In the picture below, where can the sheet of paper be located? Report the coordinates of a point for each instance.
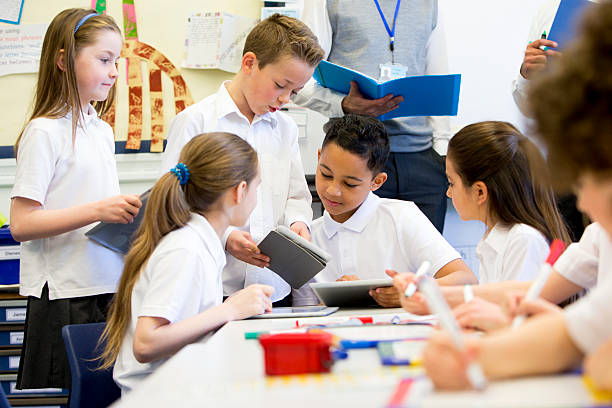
(20, 48)
(286, 11)
(214, 40)
(202, 40)
(234, 31)
(10, 11)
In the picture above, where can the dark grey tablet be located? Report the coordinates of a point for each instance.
(349, 293)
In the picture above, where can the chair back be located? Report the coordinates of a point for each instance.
(91, 387)
(3, 401)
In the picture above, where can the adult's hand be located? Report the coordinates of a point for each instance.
(535, 59)
(354, 102)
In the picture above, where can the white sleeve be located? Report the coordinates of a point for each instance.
(588, 320)
(299, 199)
(176, 295)
(540, 23)
(313, 96)
(183, 128)
(437, 64)
(579, 263)
(422, 241)
(36, 157)
(523, 257)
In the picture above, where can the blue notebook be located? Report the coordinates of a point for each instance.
(427, 95)
(565, 24)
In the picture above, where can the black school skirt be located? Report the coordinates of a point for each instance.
(43, 362)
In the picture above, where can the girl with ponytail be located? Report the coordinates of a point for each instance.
(170, 293)
(497, 176)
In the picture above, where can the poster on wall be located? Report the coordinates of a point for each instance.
(10, 11)
(214, 40)
(20, 48)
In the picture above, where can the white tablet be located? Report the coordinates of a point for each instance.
(301, 311)
(349, 293)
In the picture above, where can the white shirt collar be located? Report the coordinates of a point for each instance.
(203, 228)
(226, 106)
(88, 117)
(497, 237)
(357, 222)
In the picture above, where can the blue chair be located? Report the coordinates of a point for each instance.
(91, 388)
(3, 401)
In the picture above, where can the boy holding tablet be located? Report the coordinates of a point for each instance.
(365, 234)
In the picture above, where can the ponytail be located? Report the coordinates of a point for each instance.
(216, 162)
(514, 172)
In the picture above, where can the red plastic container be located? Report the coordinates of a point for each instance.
(297, 353)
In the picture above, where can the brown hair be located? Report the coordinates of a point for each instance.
(216, 163)
(572, 102)
(278, 36)
(57, 92)
(514, 172)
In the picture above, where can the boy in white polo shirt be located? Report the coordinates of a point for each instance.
(279, 57)
(365, 234)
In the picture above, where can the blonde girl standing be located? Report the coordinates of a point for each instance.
(66, 180)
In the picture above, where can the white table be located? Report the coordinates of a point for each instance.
(228, 371)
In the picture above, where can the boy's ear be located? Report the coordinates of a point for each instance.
(378, 181)
(249, 61)
(481, 192)
(60, 60)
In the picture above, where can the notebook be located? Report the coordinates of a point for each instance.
(118, 237)
(428, 95)
(565, 24)
(292, 257)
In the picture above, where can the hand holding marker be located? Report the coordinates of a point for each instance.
(543, 37)
(412, 287)
(556, 249)
(437, 304)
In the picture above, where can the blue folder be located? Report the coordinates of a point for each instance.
(427, 95)
(565, 24)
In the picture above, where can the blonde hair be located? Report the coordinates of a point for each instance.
(216, 163)
(57, 92)
(278, 36)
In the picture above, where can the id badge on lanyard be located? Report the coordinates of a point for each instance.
(391, 71)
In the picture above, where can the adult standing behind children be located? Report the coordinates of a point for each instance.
(535, 61)
(279, 57)
(372, 36)
(66, 180)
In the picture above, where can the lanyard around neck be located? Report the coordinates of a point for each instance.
(390, 31)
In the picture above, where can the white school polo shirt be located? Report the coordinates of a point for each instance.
(589, 320)
(181, 279)
(514, 253)
(283, 196)
(587, 263)
(53, 173)
(382, 234)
